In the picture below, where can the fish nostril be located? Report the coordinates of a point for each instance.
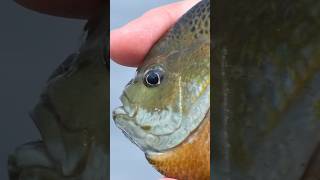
(130, 82)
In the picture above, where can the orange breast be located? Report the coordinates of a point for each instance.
(190, 160)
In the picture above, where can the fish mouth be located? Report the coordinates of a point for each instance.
(125, 119)
(125, 112)
(132, 131)
(121, 113)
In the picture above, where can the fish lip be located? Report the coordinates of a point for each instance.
(123, 111)
(119, 112)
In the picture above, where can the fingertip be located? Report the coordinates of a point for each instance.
(130, 43)
(128, 48)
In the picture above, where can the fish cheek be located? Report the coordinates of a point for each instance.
(160, 97)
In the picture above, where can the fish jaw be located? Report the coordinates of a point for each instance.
(131, 130)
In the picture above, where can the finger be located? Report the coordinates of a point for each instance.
(130, 43)
(69, 8)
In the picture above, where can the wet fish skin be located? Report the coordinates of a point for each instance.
(159, 119)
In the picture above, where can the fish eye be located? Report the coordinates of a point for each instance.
(153, 77)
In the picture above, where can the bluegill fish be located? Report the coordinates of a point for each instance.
(267, 90)
(166, 105)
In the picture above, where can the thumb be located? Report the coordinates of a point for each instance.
(130, 43)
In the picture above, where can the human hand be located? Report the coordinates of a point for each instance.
(130, 43)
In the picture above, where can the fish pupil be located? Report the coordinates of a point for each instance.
(153, 78)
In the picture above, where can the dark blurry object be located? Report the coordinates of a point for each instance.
(82, 9)
(266, 89)
(72, 114)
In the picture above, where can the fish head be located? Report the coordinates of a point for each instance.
(167, 99)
